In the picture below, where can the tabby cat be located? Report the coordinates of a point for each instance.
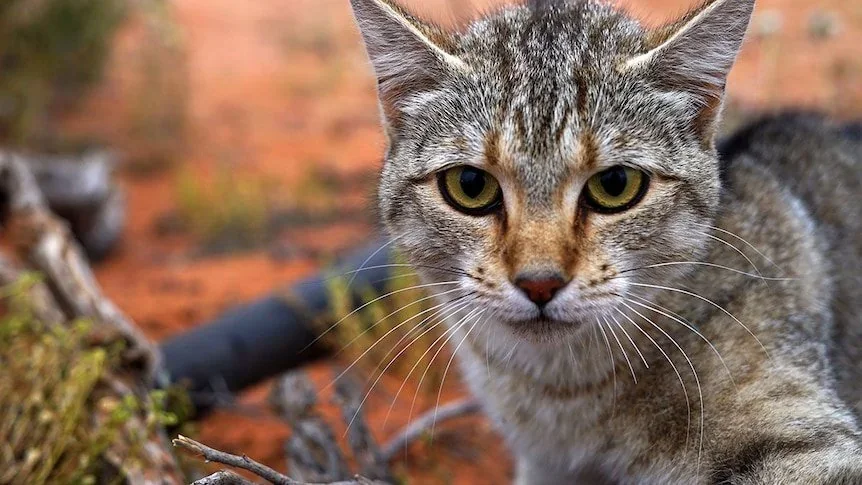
(629, 306)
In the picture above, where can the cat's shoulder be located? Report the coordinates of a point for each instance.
(785, 139)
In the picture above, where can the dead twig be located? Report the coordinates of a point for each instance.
(223, 478)
(365, 449)
(249, 465)
(425, 422)
(241, 462)
(313, 455)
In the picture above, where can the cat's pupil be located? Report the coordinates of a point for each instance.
(472, 182)
(614, 181)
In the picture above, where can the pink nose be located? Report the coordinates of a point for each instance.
(540, 288)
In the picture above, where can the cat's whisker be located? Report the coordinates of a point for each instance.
(367, 304)
(693, 372)
(452, 311)
(673, 366)
(629, 337)
(622, 273)
(707, 300)
(383, 372)
(613, 366)
(452, 331)
(449, 364)
(395, 312)
(736, 249)
(620, 344)
(369, 258)
(511, 354)
(741, 239)
(449, 306)
(682, 321)
(354, 272)
(383, 337)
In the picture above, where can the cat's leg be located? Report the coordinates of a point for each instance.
(805, 438)
(828, 467)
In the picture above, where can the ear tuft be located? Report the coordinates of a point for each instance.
(409, 55)
(696, 53)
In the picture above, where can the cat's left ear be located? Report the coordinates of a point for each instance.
(695, 54)
(409, 55)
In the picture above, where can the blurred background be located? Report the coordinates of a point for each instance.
(247, 139)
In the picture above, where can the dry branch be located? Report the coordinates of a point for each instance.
(313, 454)
(365, 449)
(249, 465)
(45, 242)
(223, 478)
(141, 455)
(423, 424)
(242, 462)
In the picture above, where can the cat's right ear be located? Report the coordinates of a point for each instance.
(409, 56)
(695, 54)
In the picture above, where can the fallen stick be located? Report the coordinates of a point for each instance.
(420, 426)
(241, 462)
(249, 465)
(223, 478)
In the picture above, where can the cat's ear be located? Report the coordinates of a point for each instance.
(695, 54)
(409, 55)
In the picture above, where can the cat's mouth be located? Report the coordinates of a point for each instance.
(543, 327)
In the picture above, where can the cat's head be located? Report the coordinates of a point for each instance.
(545, 156)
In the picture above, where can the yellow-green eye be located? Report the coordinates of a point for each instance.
(470, 190)
(616, 189)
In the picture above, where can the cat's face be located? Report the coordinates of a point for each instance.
(545, 161)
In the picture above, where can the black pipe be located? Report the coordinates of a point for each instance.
(250, 344)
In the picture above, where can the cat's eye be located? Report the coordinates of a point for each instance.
(616, 189)
(470, 190)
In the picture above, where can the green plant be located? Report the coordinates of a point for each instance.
(49, 398)
(227, 211)
(49, 51)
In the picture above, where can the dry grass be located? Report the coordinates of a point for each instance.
(229, 209)
(48, 433)
(50, 52)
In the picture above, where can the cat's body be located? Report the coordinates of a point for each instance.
(554, 168)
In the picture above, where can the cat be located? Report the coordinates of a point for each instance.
(628, 306)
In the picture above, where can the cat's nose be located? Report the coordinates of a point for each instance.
(540, 288)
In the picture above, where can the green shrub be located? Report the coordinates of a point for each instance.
(50, 50)
(49, 397)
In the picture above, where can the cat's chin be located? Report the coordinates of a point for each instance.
(543, 329)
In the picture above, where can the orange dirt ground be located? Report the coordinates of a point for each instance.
(278, 87)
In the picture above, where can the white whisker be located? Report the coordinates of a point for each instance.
(454, 329)
(613, 366)
(449, 364)
(693, 371)
(625, 354)
(366, 305)
(707, 300)
(452, 311)
(741, 239)
(741, 253)
(673, 366)
(685, 323)
(369, 258)
(711, 265)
